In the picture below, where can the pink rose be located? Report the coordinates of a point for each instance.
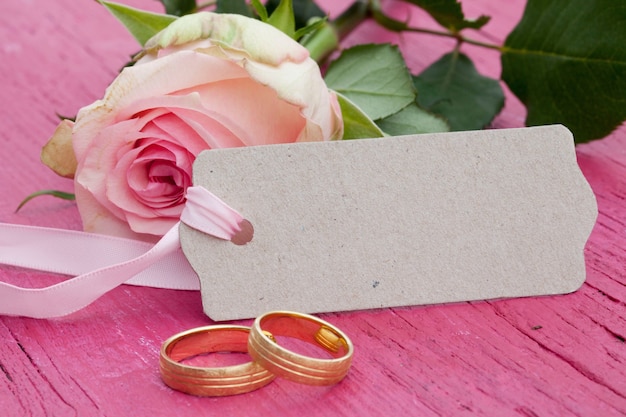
(207, 81)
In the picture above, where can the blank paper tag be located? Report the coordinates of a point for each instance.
(396, 221)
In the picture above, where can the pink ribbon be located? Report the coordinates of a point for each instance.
(101, 262)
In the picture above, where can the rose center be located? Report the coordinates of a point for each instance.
(162, 172)
(159, 176)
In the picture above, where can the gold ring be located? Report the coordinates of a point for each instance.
(294, 366)
(218, 381)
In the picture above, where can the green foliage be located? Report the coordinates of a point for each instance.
(304, 11)
(566, 61)
(141, 24)
(234, 7)
(448, 13)
(54, 193)
(357, 125)
(260, 9)
(411, 120)
(374, 77)
(314, 25)
(179, 7)
(376, 94)
(283, 18)
(452, 87)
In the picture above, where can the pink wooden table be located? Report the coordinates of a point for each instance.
(545, 356)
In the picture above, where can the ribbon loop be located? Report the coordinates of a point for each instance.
(117, 261)
(204, 211)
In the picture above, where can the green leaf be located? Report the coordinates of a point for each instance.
(282, 18)
(411, 120)
(566, 61)
(179, 7)
(448, 13)
(316, 24)
(356, 124)
(141, 24)
(452, 87)
(304, 10)
(374, 77)
(260, 10)
(234, 7)
(54, 193)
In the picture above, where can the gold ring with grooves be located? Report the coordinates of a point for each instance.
(293, 366)
(218, 381)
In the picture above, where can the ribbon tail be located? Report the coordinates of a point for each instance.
(75, 253)
(73, 294)
(112, 261)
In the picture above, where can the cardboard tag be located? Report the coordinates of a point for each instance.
(395, 221)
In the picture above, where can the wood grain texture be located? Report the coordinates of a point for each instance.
(546, 356)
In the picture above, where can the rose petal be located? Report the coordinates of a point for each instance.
(177, 130)
(101, 159)
(263, 42)
(252, 111)
(121, 192)
(317, 105)
(98, 219)
(180, 71)
(207, 124)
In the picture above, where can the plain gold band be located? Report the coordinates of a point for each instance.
(218, 381)
(293, 366)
